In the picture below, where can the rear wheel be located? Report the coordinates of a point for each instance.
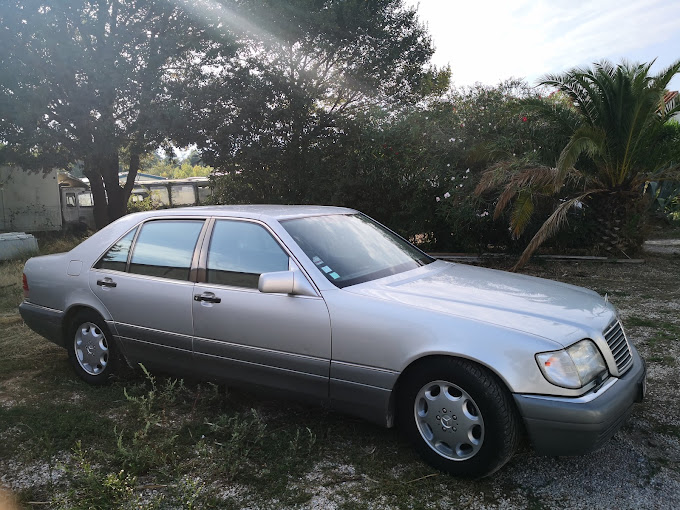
(459, 417)
(91, 349)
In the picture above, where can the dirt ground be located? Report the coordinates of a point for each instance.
(356, 465)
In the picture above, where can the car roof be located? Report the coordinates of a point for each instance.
(258, 211)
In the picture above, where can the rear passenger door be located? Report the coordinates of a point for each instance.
(276, 340)
(144, 281)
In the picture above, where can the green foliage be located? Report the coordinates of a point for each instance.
(413, 168)
(618, 140)
(89, 489)
(324, 71)
(236, 437)
(89, 81)
(191, 166)
(146, 204)
(149, 441)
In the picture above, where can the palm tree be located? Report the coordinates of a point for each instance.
(614, 149)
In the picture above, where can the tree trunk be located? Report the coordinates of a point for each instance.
(101, 215)
(133, 169)
(110, 199)
(620, 220)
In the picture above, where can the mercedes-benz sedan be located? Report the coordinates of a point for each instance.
(325, 304)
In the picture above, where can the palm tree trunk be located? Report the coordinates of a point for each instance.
(620, 220)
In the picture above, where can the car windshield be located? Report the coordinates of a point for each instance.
(350, 249)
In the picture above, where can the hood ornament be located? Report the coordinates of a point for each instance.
(606, 297)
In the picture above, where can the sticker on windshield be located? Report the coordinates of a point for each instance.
(317, 261)
(326, 269)
(335, 275)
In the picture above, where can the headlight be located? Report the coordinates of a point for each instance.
(573, 367)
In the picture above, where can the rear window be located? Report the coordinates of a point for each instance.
(165, 248)
(116, 258)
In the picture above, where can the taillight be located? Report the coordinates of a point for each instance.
(25, 282)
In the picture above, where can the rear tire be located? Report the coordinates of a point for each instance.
(91, 349)
(459, 417)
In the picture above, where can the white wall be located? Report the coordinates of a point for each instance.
(29, 201)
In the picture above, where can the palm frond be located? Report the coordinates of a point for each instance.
(492, 178)
(586, 139)
(662, 79)
(550, 227)
(625, 102)
(522, 211)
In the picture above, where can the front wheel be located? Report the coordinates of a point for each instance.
(91, 349)
(459, 417)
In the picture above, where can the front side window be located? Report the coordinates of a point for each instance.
(352, 248)
(165, 248)
(116, 258)
(240, 252)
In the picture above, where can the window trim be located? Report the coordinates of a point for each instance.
(194, 257)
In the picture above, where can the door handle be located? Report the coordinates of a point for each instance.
(208, 297)
(106, 282)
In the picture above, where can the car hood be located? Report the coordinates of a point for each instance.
(553, 310)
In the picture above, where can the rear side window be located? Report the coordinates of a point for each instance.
(116, 258)
(165, 248)
(240, 251)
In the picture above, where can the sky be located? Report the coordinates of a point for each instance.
(488, 41)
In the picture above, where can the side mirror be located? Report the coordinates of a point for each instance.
(285, 282)
(280, 282)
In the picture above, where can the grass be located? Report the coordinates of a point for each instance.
(151, 441)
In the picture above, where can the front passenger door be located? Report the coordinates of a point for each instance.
(275, 340)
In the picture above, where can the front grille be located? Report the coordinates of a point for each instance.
(616, 339)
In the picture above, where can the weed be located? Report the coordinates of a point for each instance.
(242, 434)
(151, 442)
(189, 493)
(89, 489)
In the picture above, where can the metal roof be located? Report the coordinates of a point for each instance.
(257, 211)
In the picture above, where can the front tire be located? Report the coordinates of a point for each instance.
(91, 349)
(459, 417)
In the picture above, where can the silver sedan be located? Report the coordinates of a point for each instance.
(326, 305)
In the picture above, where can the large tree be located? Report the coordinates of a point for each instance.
(84, 80)
(312, 72)
(619, 140)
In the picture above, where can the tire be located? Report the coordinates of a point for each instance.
(459, 417)
(91, 349)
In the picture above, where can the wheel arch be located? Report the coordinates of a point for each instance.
(502, 427)
(417, 364)
(74, 310)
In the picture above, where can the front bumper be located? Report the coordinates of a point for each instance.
(574, 426)
(44, 321)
